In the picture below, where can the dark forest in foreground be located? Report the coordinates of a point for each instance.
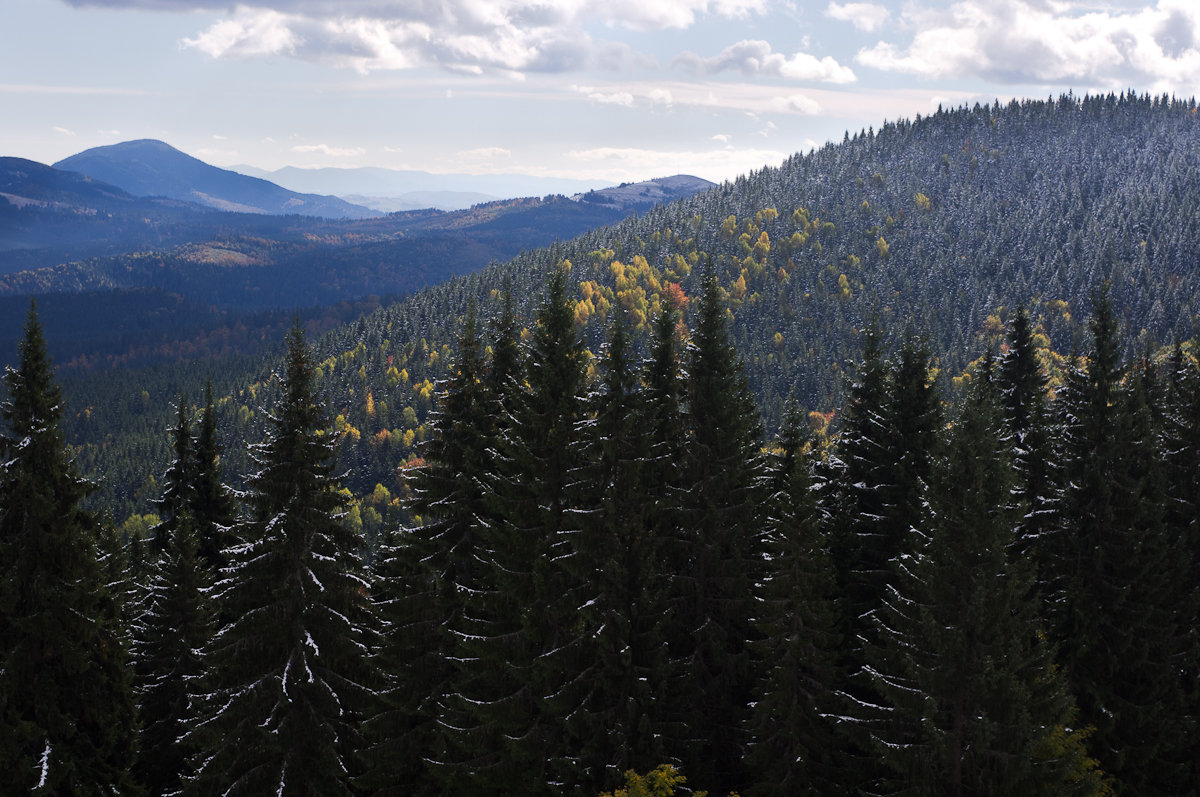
(610, 571)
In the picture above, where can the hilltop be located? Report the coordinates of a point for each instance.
(942, 224)
(147, 167)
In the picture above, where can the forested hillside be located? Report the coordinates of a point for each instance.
(608, 570)
(942, 225)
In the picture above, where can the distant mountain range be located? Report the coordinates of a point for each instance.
(153, 168)
(401, 189)
(179, 238)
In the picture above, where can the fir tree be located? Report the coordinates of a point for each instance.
(721, 538)
(617, 561)
(429, 579)
(972, 702)
(175, 505)
(214, 510)
(176, 625)
(289, 678)
(67, 722)
(793, 743)
(1022, 386)
(1115, 613)
(530, 648)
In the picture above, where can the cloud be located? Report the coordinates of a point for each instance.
(484, 153)
(798, 103)
(1030, 41)
(864, 16)
(754, 57)
(333, 152)
(622, 98)
(464, 36)
(63, 131)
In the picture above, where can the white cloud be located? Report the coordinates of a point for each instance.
(724, 138)
(63, 131)
(248, 34)
(661, 97)
(864, 16)
(465, 36)
(332, 152)
(485, 153)
(754, 57)
(798, 103)
(622, 98)
(1028, 41)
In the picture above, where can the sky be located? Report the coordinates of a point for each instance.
(605, 90)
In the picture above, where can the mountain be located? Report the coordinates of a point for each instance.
(25, 183)
(942, 224)
(407, 187)
(418, 200)
(49, 216)
(648, 193)
(153, 168)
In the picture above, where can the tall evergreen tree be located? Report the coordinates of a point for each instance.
(175, 505)
(532, 642)
(1114, 618)
(617, 563)
(1022, 386)
(289, 678)
(176, 625)
(429, 579)
(860, 468)
(972, 702)
(67, 721)
(794, 745)
(1181, 454)
(214, 510)
(720, 533)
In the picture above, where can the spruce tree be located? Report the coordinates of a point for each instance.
(175, 505)
(176, 625)
(720, 534)
(971, 700)
(617, 563)
(793, 746)
(1022, 386)
(531, 637)
(67, 719)
(214, 510)
(860, 468)
(1181, 461)
(289, 678)
(429, 578)
(1115, 612)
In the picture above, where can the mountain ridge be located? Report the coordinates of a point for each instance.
(148, 167)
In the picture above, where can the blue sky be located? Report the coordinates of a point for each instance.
(611, 90)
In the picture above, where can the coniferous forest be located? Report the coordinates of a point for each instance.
(624, 540)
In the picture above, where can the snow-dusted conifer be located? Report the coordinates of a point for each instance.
(429, 580)
(67, 723)
(720, 535)
(214, 510)
(794, 747)
(289, 678)
(970, 699)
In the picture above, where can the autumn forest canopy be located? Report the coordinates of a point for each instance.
(872, 473)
